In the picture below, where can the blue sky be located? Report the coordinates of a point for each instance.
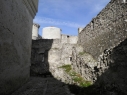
(67, 14)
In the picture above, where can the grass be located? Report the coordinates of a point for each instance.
(67, 68)
(81, 53)
(77, 78)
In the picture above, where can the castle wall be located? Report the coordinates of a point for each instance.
(105, 31)
(15, 43)
(48, 55)
(39, 56)
(69, 39)
(108, 73)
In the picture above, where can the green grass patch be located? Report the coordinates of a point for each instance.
(67, 68)
(77, 78)
(81, 53)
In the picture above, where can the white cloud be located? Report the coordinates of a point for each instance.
(69, 7)
(68, 13)
(44, 20)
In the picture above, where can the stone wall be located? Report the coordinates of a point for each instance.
(108, 74)
(107, 30)
(69, 39)
(48, 55)
(112, 68)
(39, 56)
(84, 64)
(101, 58)
(15, 44)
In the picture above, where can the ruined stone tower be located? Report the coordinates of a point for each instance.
(35, 31)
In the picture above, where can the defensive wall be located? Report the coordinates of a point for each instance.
(69, 39)
(49, 54)
(106, 30)
(16, 19)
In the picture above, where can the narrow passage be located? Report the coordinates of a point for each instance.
(43, 86)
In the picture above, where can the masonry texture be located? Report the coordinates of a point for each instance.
(103, 58)
(108, 73)
(49, 54)
(15, 44)
(107, 30)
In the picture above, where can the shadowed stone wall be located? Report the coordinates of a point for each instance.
(50, 54)
(107, 30)
(15, 43)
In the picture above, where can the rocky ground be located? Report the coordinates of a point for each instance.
(43, 86)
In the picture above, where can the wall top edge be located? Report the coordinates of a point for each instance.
(32, 6)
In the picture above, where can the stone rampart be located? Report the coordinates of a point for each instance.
(107, 30)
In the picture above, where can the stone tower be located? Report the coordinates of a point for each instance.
(51, 33)
(35, 31)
